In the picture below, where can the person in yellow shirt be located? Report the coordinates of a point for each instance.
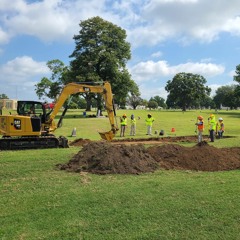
(149, 122)
(212, 127)
(123, 122)
(133, 126)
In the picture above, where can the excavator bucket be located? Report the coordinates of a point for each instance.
(107, 135)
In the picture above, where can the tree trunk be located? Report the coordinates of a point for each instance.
(89, 102)
(99, 104)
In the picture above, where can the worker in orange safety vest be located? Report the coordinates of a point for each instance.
(200, 127)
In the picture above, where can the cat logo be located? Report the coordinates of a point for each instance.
(17, 124)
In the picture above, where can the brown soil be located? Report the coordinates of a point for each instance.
(104, 158)
(201, 157)
(117, 157)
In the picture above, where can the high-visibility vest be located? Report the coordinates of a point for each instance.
(220, 126)
(212, 124)
(200, 126)
(124, 121)
(149, 121)
(133, 121)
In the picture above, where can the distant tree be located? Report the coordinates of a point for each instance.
(207, 102)
(152, 104)
(77, 101)
(134, 100)
(3, 96)
(160, 101)
(185, 89)
(144, 102)
(226, 96)
(101, 54)
(51, 87)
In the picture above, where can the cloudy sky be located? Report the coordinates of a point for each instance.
(166, 37)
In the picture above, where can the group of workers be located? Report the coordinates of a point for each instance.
(123, 121)
(215, 128)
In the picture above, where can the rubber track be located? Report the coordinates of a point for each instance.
(28, 143)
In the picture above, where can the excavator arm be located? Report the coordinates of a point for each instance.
(73, 88)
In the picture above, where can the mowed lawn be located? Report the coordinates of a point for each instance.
(38, 201)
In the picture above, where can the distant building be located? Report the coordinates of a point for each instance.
(8, 104)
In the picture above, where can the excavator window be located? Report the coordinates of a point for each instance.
(30, 108)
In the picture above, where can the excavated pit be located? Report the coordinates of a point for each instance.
(102, 157)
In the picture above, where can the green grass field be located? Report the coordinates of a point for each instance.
(40, 202)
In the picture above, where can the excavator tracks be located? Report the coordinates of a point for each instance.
(21, 143)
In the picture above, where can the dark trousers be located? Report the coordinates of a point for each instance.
(220, 134)
(212, 135)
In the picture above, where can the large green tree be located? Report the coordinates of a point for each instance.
(186, 90)
(101, 54)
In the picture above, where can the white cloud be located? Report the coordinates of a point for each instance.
(148, 91)
(21, 73)
(4, 37)
(157, 54)
(147, 22)
(49, 20)
(150, 71)
(185, 20)
(22, 68)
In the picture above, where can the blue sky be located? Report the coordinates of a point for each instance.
(166, 37)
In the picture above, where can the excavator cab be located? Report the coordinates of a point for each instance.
(28, 108)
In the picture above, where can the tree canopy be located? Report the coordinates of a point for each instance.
(134, 101)
(186, 90)
(101, 54)
(226, 96)
(160, 101)
(50, 87)
(237, 76)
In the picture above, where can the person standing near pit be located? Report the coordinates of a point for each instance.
(212, 127)
(220, 127)
(200, 127)
(149, 122)
(133, 126)
(123, 122)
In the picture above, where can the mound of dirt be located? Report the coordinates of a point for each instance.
(105, 158)
(201, 157)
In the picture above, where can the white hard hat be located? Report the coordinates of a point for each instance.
(220, 119)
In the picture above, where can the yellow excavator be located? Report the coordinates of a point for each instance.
(32, 127)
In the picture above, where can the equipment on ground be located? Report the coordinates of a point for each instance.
(32, 127)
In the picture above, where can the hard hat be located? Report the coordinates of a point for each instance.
(211, 115)
(200, 117)
(220, 119)
(124, 115)
(149, 114)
